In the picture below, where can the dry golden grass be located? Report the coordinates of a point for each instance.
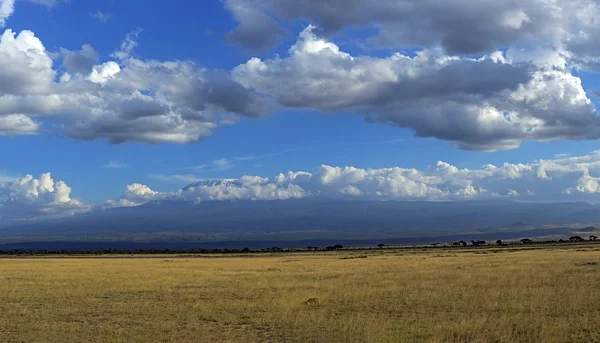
(437, 295)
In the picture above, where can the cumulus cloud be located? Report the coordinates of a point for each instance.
(17, 125)
(29, 198)
(562, 179)
(487, 103)
(126, 99)
(136, 194)
(105, 72)
(25, 67)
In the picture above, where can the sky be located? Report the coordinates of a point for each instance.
(115, 103)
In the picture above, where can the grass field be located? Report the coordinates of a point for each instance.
(433, 295)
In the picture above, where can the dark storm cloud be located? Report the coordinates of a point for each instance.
(81, 61)
(460, 26)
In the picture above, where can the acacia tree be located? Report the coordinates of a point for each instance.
(576, 239)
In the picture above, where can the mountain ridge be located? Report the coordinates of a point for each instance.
(212, 183)
(308, 218)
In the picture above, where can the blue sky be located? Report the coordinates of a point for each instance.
(221, 36)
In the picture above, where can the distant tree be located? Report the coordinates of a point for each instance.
(526, 241)
(576, 239)
(380, 245)
(456, 244)
(329, 248)
(499, 242)
(593, 238)
(312, 248)
(463, 243)
(478, 243)
(435, 244)
(338, 247)
(245, 250)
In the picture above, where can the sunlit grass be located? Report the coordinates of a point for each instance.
(437, 295)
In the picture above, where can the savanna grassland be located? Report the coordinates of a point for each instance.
(538, 294)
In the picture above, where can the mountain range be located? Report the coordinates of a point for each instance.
(302, 219)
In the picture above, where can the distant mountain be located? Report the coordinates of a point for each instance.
(212, 183)
(303, 219)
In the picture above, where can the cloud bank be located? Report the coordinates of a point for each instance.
(485, 76)
(561, 179)
(458, 26)
(574, 178)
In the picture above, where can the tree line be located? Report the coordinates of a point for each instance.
(201, 251)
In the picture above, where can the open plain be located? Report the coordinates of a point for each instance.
(489, 294)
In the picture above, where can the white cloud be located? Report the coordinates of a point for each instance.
(175, 178)
(491, 103)
(48, 3)
(25, 67)
(222, 164)
(562, 179)
(510, 82)
(198, 167)
(101, 16)
(127, 99)
(17, 124)
(115, 165)
(7, 7)
(29, 198)
(101, 74)
(217, 165)
(6, 179)
(135, 194)
(512, 193)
